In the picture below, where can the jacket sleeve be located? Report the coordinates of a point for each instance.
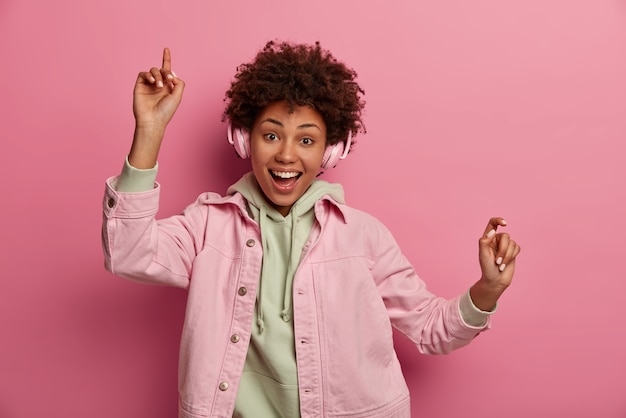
(433, 323)
(138, 247)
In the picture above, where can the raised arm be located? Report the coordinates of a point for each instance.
(156, 96)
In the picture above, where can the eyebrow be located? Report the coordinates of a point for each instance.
(279, 123)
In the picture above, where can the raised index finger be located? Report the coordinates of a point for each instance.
(167, 59)
(493, 224)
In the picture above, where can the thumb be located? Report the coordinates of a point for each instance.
(179, 87)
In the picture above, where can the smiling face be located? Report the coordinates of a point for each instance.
(286, 151)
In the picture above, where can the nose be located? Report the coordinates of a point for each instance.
(286, 152)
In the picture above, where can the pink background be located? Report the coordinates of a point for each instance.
(475, 109)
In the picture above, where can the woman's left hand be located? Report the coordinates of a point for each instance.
(496, 254)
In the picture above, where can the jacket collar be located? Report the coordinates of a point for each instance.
(325, 207)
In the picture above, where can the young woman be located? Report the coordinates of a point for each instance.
(292, 293)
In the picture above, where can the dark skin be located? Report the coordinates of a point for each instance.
(156, 97)
(496, 254)
(158, 93)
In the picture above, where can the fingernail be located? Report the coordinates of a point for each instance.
(499, 261)
(174, 74)
(170, 77)
(159, 83)
(490, 233)
(152, 80)
(502, 266)
(503, 222)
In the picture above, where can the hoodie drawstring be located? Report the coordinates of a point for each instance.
(286, 312)
(259, 295)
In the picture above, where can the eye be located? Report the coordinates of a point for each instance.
(307, 141)
(271, 137)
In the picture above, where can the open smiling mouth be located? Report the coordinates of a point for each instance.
(285, 178)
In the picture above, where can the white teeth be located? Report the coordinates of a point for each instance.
(285, 175)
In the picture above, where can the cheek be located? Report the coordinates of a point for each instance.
(315, 161)
(257, 167)
(259, 153)
(256, 157)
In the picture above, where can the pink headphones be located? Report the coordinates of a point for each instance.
(240, 139)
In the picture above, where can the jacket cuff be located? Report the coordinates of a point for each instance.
(129, 205)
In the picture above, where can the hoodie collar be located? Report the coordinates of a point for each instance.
(319, 192)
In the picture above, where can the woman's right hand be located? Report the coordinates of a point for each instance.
(157, 94)
(156, 97)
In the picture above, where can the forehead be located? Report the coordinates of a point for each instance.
(281, 113)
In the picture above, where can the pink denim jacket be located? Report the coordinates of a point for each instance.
(353, 284)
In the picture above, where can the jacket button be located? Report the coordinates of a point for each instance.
(250, 243)
(242, 291)
(234, 338)
(223, 386)
(111, 202)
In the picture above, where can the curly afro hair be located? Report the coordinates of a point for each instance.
(301, 75)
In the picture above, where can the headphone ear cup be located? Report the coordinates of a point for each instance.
(240, 139)
(332, 155)
(243, 139)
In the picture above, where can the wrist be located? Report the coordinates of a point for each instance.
(146, 145)
(485, 295)
(151, 130)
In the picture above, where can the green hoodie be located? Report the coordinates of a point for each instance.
(269, 383)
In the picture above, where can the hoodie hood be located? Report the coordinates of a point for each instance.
(283, 240)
